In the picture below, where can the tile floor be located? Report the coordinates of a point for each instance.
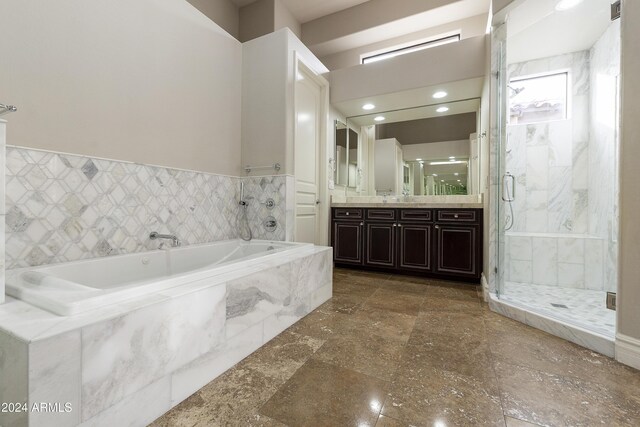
(582, 307)
(403, 351)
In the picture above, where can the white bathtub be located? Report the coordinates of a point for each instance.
(70, 288)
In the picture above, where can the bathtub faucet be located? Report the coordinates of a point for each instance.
(174, 239)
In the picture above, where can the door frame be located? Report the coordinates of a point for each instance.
(322, 213)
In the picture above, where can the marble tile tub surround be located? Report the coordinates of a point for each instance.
(63, 207)
(167, 345)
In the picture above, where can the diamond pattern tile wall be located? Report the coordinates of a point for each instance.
(64, 207)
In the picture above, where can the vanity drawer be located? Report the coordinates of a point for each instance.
(416, 215)
(383, 214)
(347, 213)
(457, 215)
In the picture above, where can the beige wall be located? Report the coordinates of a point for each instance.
(434, 129)
(629, 286)
(457, 61)
(366, 15)
(256, 19)
(283, 18)
(149, 81)
(470, 27)
(222, 12)
(266, 16)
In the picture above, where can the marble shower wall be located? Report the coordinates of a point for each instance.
(550, 159)
(63, 207)
(604, 59)
(3, 142)
(566, 175)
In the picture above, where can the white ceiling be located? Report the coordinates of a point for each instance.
(308, 10)
(536, 30)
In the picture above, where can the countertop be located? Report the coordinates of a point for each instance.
(409, 202)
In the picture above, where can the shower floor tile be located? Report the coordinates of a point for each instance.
(581, 307)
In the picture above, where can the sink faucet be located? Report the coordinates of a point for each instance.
(174, 239)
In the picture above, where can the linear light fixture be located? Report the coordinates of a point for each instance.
(410, 49)
(447, 163)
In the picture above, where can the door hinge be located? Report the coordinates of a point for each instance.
(611, 301)
(616, 9)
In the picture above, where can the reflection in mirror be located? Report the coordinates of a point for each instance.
(425, 150)
(346, 156)
(340, 169)
(353, 144)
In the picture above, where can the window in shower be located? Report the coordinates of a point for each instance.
(538, 98)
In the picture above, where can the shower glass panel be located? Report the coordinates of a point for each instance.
(556, 162)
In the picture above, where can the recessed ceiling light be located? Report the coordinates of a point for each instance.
(418, 159)
(452, 157)
(567, 4)
(456, 174)
(442, 180)
(442, 109)
(435, 174)
(368, 107)
(379, 118)
(458, 180)
(440, 94)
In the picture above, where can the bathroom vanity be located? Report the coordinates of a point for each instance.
(423, 238)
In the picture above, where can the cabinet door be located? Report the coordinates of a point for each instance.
(347, 242)
(457, 250)
(415, 246)
(380, 244)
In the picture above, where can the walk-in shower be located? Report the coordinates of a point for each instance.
(556, 162)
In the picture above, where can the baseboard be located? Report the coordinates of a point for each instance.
(628, 350)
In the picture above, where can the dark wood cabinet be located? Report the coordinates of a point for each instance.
(380, 244)
(433, 242)
(458, 247)
(416, 242)
(346, 236)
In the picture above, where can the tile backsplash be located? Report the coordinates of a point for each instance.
(63, 207)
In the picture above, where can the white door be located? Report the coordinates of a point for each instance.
(306, 152)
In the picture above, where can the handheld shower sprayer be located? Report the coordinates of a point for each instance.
(242, 222)
(242, 202)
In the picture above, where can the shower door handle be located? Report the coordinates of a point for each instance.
(508, 196)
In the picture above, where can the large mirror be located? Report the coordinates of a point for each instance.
(425, 150)
(346, 156)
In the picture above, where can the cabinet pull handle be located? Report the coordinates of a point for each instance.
(361, 224)
(399, 225)
(437, 226)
